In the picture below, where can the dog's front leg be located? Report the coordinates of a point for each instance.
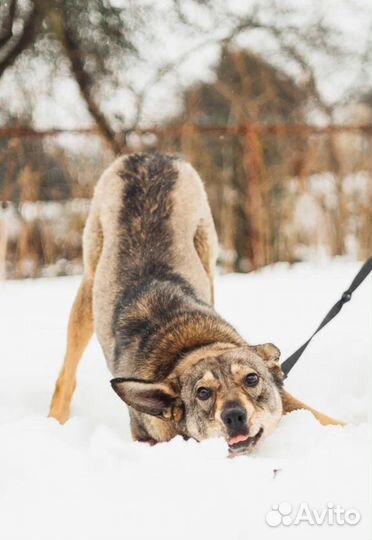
(290, 403)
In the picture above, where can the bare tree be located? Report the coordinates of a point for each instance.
(100, 41)
(68, 26)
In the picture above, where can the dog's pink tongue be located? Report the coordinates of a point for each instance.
(237, 439)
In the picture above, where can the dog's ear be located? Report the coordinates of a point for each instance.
(268, 352)
(271, 354)
(157, 399)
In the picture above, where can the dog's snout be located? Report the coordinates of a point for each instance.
(235, 419)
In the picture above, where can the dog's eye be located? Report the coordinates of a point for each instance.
(203, 393)
(251, 379)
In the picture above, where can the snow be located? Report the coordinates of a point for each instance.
(87, 480)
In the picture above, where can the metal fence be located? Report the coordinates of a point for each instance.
(277, 192)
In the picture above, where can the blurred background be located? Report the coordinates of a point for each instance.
(271, 101)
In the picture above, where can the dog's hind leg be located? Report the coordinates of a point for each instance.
(80, 325)
(290, 403)
(206, 245)
(80, 330)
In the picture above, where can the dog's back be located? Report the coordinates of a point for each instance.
(149, 235)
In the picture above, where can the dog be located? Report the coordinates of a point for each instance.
(149, 253)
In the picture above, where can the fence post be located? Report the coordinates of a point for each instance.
(254, 207)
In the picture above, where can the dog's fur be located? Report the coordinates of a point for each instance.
(149, 255)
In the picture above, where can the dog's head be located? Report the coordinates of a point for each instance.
(233, 393)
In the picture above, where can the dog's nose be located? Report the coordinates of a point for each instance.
(235, 419)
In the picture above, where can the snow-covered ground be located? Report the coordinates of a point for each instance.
(87, 480)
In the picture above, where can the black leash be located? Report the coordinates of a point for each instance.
(290, 362)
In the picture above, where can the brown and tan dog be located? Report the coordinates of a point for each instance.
(149, 255)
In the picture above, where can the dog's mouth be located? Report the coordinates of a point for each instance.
(241, 443)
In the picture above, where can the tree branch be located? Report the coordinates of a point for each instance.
(64, 36)
(25, 39)
(6, 32)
